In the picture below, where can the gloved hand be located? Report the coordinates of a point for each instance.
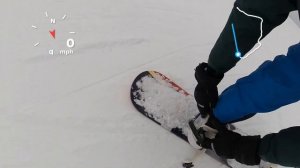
(206, 92)
(231, 145)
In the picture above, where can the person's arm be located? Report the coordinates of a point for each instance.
(274, 84)
(274, 12)
(222, 58)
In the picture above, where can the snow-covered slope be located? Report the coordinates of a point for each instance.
(74, 111)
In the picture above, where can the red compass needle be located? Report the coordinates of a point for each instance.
(52, 33)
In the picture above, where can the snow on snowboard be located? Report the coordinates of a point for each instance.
(163, 101)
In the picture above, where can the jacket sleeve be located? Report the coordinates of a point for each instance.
(274, 84)
(274, 12)
(282, 148)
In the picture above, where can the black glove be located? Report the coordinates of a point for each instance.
(206, 92)
(231, 145)
(215, 124)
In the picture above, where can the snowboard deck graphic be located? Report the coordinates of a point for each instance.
(138, 94)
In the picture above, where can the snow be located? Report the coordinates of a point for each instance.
(74, 111)
(170, 108)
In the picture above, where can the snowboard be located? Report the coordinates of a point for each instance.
(167, 104)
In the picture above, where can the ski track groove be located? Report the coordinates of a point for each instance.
(101, 45)
(165, 56)
(72, 92)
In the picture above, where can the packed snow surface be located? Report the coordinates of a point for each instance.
(74, 111)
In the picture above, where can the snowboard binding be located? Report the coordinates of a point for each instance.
(199, 130)
(208, 127)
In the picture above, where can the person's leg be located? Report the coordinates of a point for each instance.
(274, 84)
(282, 148)
(242, 119)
